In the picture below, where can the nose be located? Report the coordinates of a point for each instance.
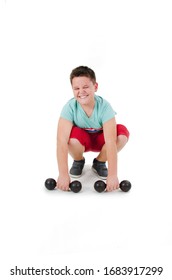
(81, 91)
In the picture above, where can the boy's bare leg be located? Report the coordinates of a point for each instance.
(121, 142)
(76, 150)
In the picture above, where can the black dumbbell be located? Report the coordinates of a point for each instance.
(100, 186)
(74, 186)
(50, 184)
(125, 185)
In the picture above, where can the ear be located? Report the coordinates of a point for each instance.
(96, 86)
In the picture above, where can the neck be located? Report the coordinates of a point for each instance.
(88, 108)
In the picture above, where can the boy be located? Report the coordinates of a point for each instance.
(87, 123)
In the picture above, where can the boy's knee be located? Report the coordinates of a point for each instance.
(121, 142)
(122, 130)
(73, 142)
(122, 138)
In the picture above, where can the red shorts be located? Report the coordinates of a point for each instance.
(94, 141)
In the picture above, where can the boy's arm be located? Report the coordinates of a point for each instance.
(110, 136)
(63, 133)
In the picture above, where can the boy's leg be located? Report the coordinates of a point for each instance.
(121, 142)
(122, 139)
(99, 163)
(76, 149)
(78, 143)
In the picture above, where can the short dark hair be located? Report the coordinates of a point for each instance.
(83, 71)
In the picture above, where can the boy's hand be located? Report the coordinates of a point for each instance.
(63, 182)
(112, 183)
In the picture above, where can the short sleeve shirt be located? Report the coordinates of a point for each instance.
(102, 112)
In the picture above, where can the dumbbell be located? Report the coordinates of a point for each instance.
(100, 186)
(74, 186)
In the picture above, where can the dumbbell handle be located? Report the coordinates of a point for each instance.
(74, 186)
(125, 186)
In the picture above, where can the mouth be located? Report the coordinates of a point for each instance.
(83, 96)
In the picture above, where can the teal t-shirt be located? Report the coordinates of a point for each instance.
(102, 112)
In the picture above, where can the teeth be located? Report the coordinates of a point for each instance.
(82, 97)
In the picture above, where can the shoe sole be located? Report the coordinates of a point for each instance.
(101, 177)
(75, 176)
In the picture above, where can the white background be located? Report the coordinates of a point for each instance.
(128, 44)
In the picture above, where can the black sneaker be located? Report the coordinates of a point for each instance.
(100, 168)
(76, 169)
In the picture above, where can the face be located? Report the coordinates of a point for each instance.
(84, 89)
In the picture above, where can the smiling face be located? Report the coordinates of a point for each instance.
(84, 90)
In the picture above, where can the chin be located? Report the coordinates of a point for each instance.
(84, 101)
